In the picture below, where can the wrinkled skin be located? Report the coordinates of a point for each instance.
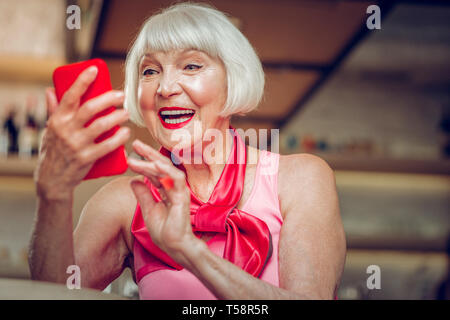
(68, 150)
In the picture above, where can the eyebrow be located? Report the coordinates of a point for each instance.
(151, 55)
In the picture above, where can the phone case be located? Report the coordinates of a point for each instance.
(63, 77)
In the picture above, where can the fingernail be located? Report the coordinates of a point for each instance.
(125, 130)
(93, 70)
(167, 182)
(119, 94)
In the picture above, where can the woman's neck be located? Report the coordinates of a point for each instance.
(203, 175)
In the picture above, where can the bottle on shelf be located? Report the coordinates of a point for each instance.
(444, 132)
(11, 128)
(308, 143)
(25, 143)
(28, 137)
(4, 143)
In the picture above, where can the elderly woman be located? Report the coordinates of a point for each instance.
(190, 225)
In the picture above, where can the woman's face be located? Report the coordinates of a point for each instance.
(181, 93)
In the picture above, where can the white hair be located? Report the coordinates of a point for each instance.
(199, 27)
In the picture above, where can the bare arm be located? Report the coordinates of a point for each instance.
(102, 238)
(312, 243)
(51, 245)
(67, 153)
(100, 244)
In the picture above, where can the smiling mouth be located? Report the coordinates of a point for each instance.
(175, 115)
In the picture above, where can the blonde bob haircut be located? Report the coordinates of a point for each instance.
(199, 27)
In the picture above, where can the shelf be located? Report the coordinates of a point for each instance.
(365, 163)
(16, 166)
(392, 181)
(28, 69)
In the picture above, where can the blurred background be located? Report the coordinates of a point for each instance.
(373, 103)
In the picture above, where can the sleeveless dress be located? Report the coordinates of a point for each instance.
(169, 284)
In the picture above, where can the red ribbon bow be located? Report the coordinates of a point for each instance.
(248, 242)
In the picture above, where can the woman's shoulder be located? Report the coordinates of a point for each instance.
(294, 166)
(302, 163)
(298, 174)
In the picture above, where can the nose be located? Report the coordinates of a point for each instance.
(169, 84)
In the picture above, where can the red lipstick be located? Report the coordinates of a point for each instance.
(175, 117)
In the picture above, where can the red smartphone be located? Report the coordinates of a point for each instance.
(63, 77)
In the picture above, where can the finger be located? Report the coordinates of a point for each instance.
(97, 150)
(148, 152)
(167, 182)
(104, 123)
(176, 175)
(52, 102)
(158, 179)
(92, 107)
(147, 169)
(153, 218)
(178, 193)
(143, 195)
(71, 99)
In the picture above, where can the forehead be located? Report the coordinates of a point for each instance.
(176, 54)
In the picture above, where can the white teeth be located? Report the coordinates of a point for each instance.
(174, 121)
(175, 112)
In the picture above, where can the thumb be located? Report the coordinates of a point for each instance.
(154, 220)
(143, 195)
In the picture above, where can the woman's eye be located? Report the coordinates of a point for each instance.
(191, 67)
(148, 72)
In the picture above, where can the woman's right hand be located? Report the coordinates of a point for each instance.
(68, 150)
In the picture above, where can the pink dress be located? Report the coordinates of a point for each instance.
(168, 284)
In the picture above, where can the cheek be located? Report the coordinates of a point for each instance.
(146, 102)
(207, 90)
(146, 97)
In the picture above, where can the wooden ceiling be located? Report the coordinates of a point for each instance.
(299, 43)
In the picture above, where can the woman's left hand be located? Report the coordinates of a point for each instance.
(167, 221)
